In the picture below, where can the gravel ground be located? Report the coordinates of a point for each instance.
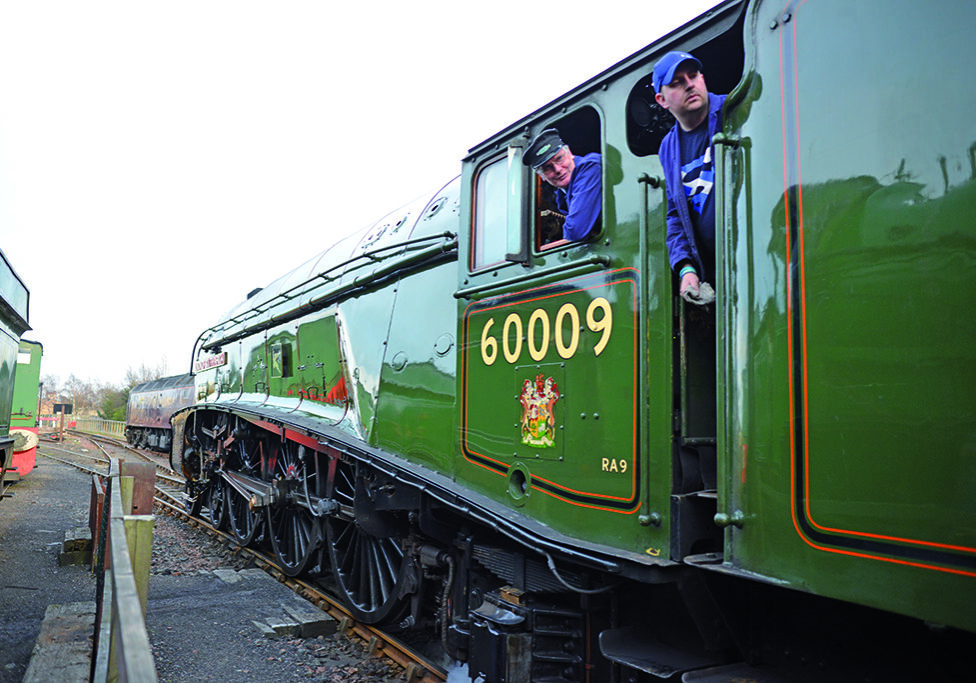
(181, 550)
(33, 520)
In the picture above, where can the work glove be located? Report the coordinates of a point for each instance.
(696, 292)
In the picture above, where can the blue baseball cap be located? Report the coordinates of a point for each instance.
(666, 65)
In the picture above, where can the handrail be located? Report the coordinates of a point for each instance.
(419, 258)
(96, 425)
(331, 274)
(584, 265)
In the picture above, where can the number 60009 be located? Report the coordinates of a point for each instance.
(563, 331)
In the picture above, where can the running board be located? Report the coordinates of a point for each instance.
(638, 649)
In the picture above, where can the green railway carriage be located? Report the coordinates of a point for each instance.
(25, 409)
(14, 316)
(537, 446)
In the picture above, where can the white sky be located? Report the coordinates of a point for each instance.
(158, 160)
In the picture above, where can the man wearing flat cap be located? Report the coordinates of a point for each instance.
(576, 179)
(687, 155)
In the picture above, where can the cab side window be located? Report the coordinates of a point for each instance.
(494, 202)
(580, 131)
(515, 211)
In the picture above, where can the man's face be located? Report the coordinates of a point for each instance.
(558, 171)
(686, 93)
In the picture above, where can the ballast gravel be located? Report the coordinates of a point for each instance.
(235, 649)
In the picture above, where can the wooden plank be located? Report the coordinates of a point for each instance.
(139, 536)
(125, 487)
(144, 474)
(131, 655)
(104, 635)
(95, 513)
(63, 649)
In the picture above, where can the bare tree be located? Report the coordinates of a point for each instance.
(82, 394)
(92, 397)
(144, 374)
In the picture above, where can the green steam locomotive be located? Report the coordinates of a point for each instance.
(536, 447)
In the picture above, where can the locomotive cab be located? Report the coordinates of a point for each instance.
(599, 318)
(587, 387)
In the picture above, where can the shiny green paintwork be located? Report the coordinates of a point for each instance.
(24, 410)
(318, 367)
(851, 418)
(416, 413)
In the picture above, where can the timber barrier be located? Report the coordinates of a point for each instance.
(123, 551)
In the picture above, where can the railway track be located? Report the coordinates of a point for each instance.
(158, 460)
(169, 499)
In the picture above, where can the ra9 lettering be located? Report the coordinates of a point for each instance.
(614, 465)
(538, 334)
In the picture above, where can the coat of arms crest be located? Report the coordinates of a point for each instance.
(538, 401)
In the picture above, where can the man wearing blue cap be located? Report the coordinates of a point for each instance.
(577, 180)
(687, 155)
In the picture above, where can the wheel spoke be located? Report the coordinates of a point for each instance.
(293, 528)
(215, 507)
(368, 570)
(245, 523)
